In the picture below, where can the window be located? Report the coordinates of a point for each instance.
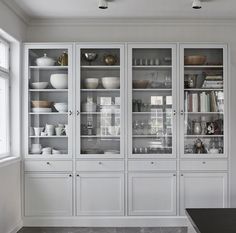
(4, 99)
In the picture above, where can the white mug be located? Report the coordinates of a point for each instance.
(38, 130)
(59, 131)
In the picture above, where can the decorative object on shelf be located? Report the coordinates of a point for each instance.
(110, 59)
(39, 85)
(36, 148)
(59, 81)
(38, 131)
(90, 57)
(41, 110)
(111, 82)
(89, 107)
(91, 83)
(61, 107)
(139, 84)
(197, 129)
(191, 80)
(195, 60)
(50, 129)
(45, 61)
(199, 147)
(63, 59)
(47, 151)
(167, 60)
(41, 104)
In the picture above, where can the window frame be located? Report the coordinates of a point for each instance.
(5, 74)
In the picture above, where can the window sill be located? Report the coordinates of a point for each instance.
(8, 161)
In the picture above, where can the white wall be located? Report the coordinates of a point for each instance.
(153, 32)
(10, 200)
(10, 189)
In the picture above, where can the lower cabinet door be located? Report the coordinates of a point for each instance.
(203, 190)
(48, 194)
(152, 194)
(100, 193)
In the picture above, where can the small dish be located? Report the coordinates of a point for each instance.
(39, 110)
(39, 85)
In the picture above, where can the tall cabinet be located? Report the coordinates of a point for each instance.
(125, 129)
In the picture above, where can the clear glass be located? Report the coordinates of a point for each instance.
(48, 103)
(100, 101)
(4, 116)
(152, 103)
(204, 101)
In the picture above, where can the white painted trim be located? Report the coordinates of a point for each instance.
(17, 227)
(125, 221)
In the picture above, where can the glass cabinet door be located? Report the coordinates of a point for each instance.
(100, 101)
(49, 112)
(152, 100)
(203, 108)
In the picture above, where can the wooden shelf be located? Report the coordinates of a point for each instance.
(153, 67)
(203, 136)
(203, 113)
(152, 89)
(48, 113)
(100, 136)
(99, 90)
(53, 136)
(49, 67)
(99, 67)
(152, 136)
(48, 90)
(203, 89)
(205, 66)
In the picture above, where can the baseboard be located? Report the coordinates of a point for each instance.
(17, 227)
(176, 221)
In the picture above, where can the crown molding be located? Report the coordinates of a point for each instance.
(12, 5)
(131, 22)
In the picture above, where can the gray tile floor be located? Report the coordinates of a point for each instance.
(103, 230)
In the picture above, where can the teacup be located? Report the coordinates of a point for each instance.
(38, 130)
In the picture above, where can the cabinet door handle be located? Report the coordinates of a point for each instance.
(77, 112)
(70, 112)
(48, 163)
(182, 112)
(174, 112)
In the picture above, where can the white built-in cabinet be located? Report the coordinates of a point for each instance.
(151, 145)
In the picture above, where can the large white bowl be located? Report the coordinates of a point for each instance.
(111, 82)
(39, 85)
(59, 81)
(61, 107)
(91, 83)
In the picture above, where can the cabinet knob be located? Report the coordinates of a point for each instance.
(182, 174)
(174, 112)
(152, 162)
(70, 175)
(77, 175)
(70, 112)
(100, 163)
(174, 174)
(77, 112)
(182, 112)
(203, 162)
(48, 163)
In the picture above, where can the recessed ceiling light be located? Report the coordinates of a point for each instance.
(197, 4)
(102, 4)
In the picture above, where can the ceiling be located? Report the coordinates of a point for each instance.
(120, 9)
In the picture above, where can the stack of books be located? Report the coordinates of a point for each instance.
(213, 81)
(201, 102)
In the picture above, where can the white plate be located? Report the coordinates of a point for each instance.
(41, 109)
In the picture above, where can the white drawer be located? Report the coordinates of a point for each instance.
(48, 166)
(151, 165)
(99, 165)
(211, 165)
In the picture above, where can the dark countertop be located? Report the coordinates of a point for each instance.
(213, 220)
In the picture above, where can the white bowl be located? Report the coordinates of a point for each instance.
(61, 107)
(39, 85)
(45, 61)
(38, 110)
(59, 81)
(91, 83)
(111, 82)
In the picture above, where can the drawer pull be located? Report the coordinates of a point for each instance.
(174, 174)
(77, 175)
(100, 163)
(152, 162)
(70, 175)
(204, 162)
(48, 163)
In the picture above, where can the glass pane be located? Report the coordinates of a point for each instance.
(204, 101)
(4, 55)
(3, 117)
(152, 101)
(100, 101)
(48, 102)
